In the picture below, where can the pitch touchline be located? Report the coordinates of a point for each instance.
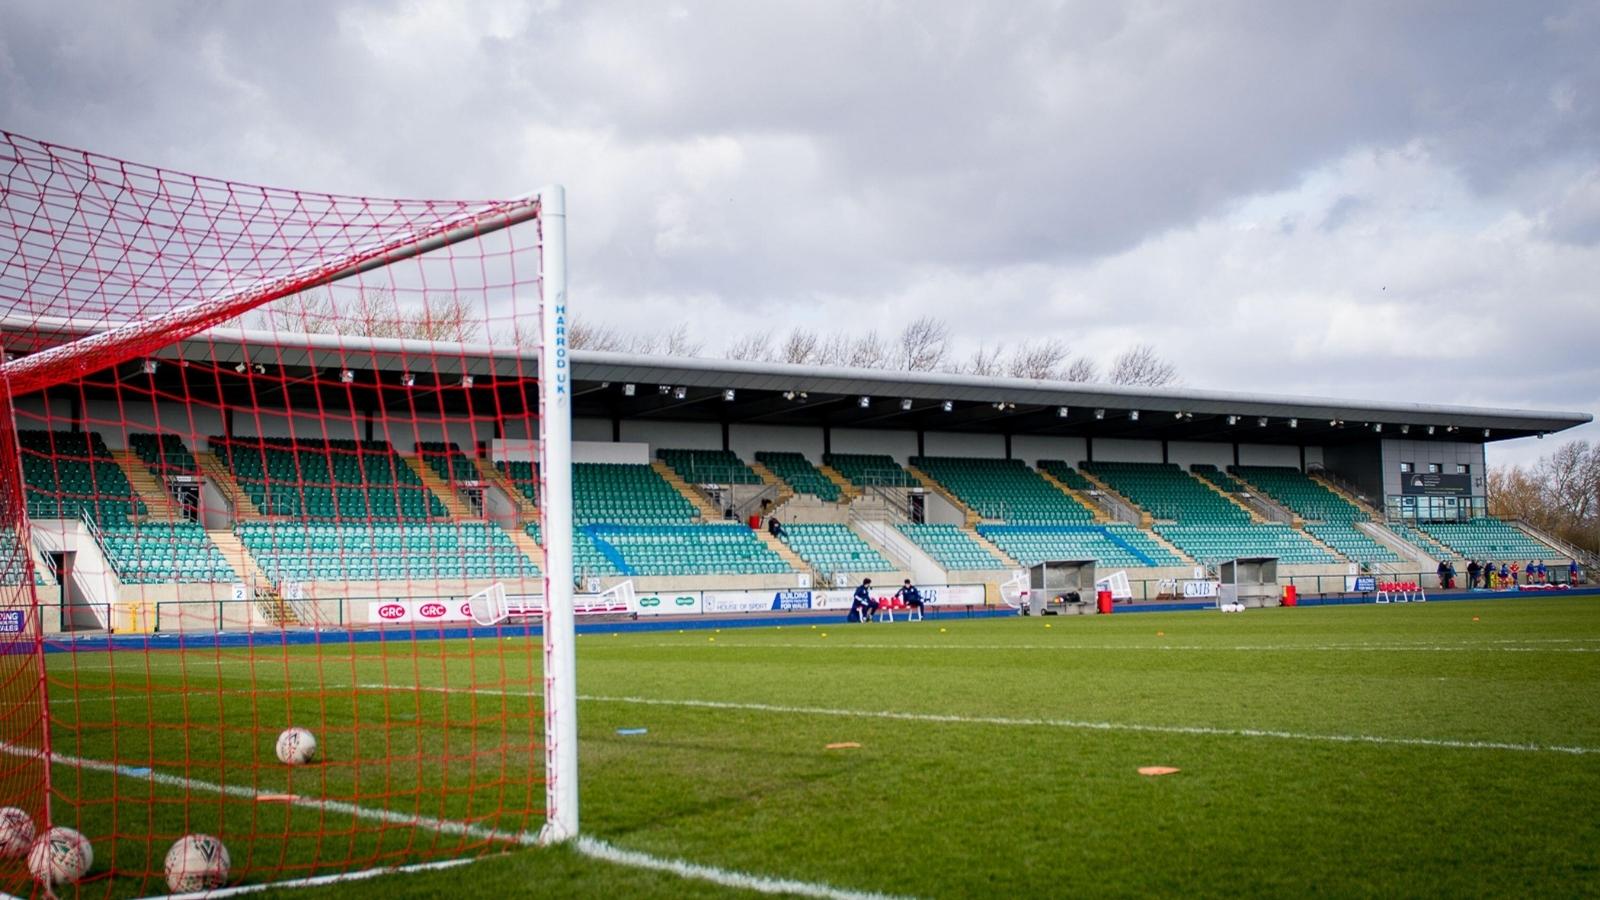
(588, 846)
(1010, 722)
(1156, 648)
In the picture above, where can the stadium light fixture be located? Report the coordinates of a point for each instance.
(905, 405)
(1405, 429)
(1233, 420)
(408, 379)
(346, 376)
(1133, 415)
(1486, 432)
(864, 401)
(1178, 414)
(727, 395)
(678, 393)
(240, 368)
(628, 390)
(467, 381)
(1062, 412)
(1261, 422)
(1377, 427)
(1099, 414)
(663, 389)
(1430, 429)
(149, 366)
(947, 406)
(1294, 423)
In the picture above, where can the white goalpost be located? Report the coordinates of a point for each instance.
(555, 517)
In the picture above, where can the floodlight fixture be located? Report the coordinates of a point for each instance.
(864, 401)
(628, 390)
(947, 406)
(149, 366)
(678, 393)
(1133, 415)
(727, 395)
(905, 405)
(408, 379)
(1062, 412)
(346, 376)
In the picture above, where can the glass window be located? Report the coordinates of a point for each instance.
(1433, 468)
(1405, 468)
(1463, 469)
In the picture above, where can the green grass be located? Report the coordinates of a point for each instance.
(1028, 787)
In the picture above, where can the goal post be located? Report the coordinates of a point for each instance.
(555, 513)
(270, 461)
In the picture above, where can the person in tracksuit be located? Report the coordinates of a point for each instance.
(862, 606)
(912, 597)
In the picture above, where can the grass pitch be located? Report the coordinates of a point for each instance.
(1447, 748)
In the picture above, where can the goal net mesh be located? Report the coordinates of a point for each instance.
(259, 448)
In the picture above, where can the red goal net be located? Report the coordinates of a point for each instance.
(259, 451)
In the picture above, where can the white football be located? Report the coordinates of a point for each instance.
(62, 856)
(16, 832)
(197, 862)
(296, 746)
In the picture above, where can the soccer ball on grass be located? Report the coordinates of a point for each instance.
(16, 832)
(296, 747)
(197, 862)
(61, 856)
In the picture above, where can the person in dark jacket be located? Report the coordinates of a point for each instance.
(1473, 570)
(912, 597)
(862, 606)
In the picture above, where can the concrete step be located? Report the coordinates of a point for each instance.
(932, 484)
(244, 509)
(451, 498)
(162, 507)
(708, 511)
(1100, 516)
(488, 474)
(848, 490)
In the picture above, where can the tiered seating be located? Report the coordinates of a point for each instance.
(862, 469)
(587, 557)
(1489, 538)
(1333, 516)
(164, 552)
(1218, 477)
(1416, 537)
(709, 466)
(1215, 542)
(164, 454)
(1352, 543)
(1004, 489)
(523, 474)
(834, 548)
(1309, 499)
(305, 551)
(951, 547)
(1066, 474)
(798, 472)
(720, 549)
(1168, 493)
(353, 481)
(1118, 545)
(69, 473)
(627, 495)
(448, 462)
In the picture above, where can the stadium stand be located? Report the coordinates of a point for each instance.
(1200, 521)
(1329, 517)
(1489, 538)
(1066, 474)
(308, 551)
(1218, 477)
(524, 475)
(721, 549)
(863, 469)
(951, 547)
(448, 461)
(1221, 541)
(708, 466)
(1417, 538)
(334, 479)
(164, 454)
(1109, 545)
(799, 474)
(1003, 489)
(834, 548)
(164, 552)
(68, 474)
(623, 494)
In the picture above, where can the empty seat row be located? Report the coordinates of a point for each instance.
(1004, 490)
(951, 547)
(708, 466)
(399, 552)
(868, 469)
(834, 548)
(798, 472)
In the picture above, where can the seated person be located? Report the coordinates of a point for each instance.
(862, 606)
(912, 597)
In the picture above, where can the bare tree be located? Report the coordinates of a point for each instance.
(677, 342)
(800, 347)
(756, 345)
(1560, 493)
(834, 349)
(922, 346)
(868, 351)
(986, 361)
(1082, 369)
(1140, 365)
(583, 334)
(1043, 360)
(374, 312)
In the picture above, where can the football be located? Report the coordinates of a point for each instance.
(16, 832)
(196, 862)
(61, 856)
(296, 746)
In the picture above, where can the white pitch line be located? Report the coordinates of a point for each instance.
(318, 881)
(586, 846)
(1076, 724)
(1153, 648)
(601, 850)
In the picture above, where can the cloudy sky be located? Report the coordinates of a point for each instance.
(1364, 200)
